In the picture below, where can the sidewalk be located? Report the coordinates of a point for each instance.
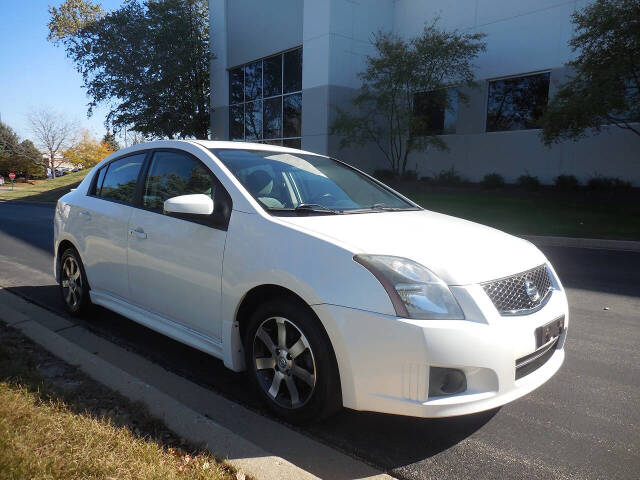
(253, 444)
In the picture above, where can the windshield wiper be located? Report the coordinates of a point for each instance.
(315, 207)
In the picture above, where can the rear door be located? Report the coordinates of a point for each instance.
(103, 220)
(175, 265)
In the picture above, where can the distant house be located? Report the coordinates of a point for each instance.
(59, 161)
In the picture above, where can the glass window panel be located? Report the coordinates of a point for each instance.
(253, 81)
(517, 103)
(236, 85)
(428, 112)
(273, 117)
(253, 120)
(172, 174)
(121, 178)
(272, 76)
(292, 143)
(98, 185)
(236, 122)
(292, 106)
(450, 112)
(293, 71)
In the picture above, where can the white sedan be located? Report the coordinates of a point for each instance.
(330, 288)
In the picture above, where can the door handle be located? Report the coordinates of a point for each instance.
(87, 215)
(138, 232)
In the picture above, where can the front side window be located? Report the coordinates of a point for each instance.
(172, 174)
(285, 183)
(517, 103)
(265, 100)
(120, 180)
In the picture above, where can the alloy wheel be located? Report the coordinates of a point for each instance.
(72, 287)
(284, 362)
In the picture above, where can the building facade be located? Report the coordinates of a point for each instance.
(282, 66)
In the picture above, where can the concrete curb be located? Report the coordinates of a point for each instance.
(243, 452)
(591, 243)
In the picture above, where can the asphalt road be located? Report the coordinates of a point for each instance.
(584, 423)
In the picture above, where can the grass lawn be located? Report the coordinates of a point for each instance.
(43, 190)
(575, 214)
(56, 423)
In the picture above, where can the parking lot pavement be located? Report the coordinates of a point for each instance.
(583, 423)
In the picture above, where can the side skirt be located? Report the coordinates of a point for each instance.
(160, 324)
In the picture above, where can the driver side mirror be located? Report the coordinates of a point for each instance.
(184, 206)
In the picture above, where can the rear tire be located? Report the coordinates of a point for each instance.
(74, 287)
(291, 362)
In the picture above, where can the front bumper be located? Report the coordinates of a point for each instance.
(384, 361)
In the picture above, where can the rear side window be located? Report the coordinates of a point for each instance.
(121, 178)
(172, 174)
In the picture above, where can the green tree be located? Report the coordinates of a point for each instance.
(401, 76)
(110, 140)
(21, 158)
(148, 61)
(604, 86)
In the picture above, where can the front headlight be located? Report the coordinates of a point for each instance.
(415, 292)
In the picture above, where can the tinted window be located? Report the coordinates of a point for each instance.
(257, 108)
(272, 76)
(293, 71)
(253, 120)
(121, 178)
(273, 117)
(435, 112)
(517, 103)
(292, 106)
(172, 174)
(253, 81)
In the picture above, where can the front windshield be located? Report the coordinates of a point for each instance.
(296, 182)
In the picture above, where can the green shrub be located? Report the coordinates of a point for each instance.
(493, 181)
(449, 178)
(411, 175)
(566, 183)
(608, 184)
(528, 182)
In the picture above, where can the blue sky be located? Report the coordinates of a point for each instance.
(34, 73)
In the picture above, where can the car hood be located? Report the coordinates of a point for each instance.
(458, 251)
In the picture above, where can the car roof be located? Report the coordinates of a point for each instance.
(221, 144)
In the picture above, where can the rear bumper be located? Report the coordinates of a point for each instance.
(385, 361)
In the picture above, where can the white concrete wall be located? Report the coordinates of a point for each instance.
(523, 36)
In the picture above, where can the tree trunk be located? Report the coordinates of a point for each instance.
(52, 165)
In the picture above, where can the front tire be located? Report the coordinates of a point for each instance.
(74, 287)
(291, 362)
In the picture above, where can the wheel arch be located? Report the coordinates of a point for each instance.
(257, 296)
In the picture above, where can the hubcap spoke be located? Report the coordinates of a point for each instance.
(282, 333)
(298, 347)
(275, 385)
(266, 339)
(75, 275)
(68, 297)
(65, 283)
(293, 391)
(303, 375)
(265, 363)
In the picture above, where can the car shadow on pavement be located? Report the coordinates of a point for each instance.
(387, 441)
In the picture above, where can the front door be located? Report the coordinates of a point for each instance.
(175, 265)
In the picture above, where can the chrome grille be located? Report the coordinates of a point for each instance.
(509, 294)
